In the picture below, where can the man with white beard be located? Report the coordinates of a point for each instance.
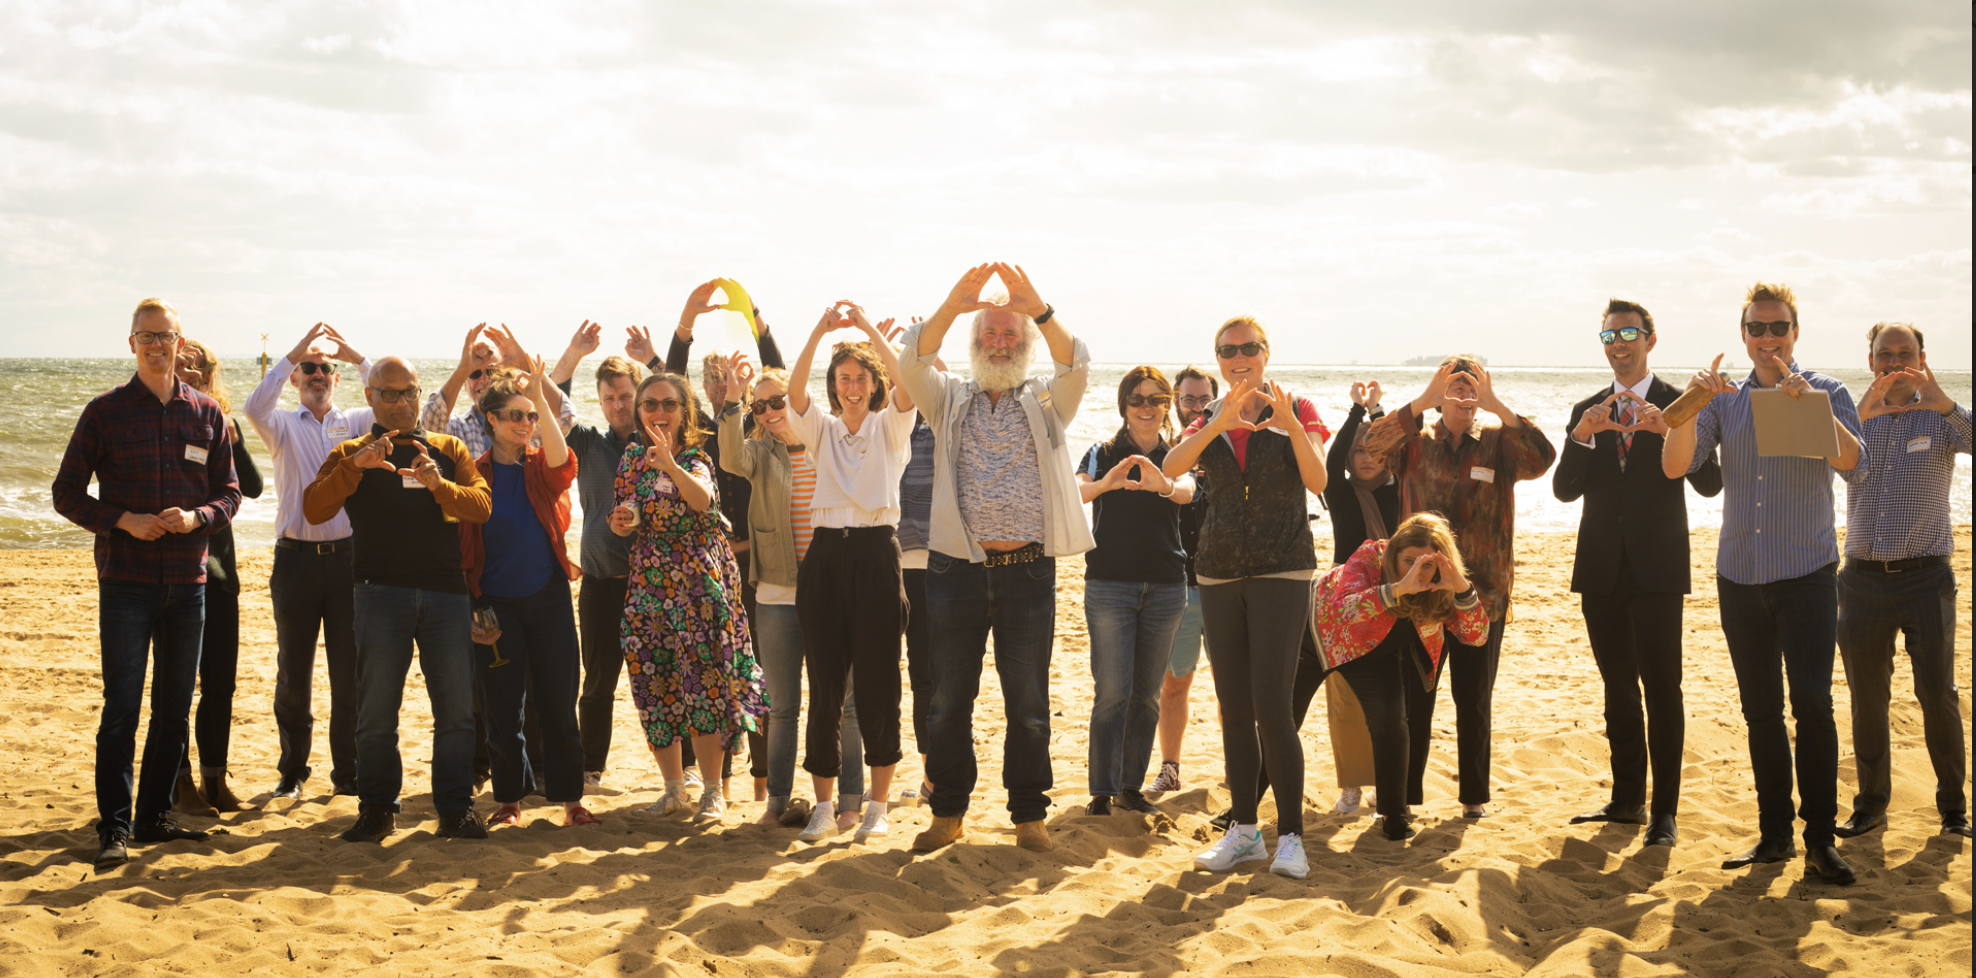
(1005, 506)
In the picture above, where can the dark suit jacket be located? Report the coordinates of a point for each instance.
(1640, 512)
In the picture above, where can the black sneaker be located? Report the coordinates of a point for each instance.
(290, 786)
(374, 824)
(343, 787)
(1135, 801)
(1100, 805)
(115, 850)
(463, 824)
(1222, 821)
(1398, 828)
(162, 829)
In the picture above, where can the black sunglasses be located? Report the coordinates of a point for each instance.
(1227, 351)
(1627, 333)
(310, 367)
(768, 404)
(670, 405)
(1781, 327)
(515, 414)
(1141, 400)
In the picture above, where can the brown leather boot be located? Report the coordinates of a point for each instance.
(222, 797)
(190, 801)
(1033, 836)
(945, 831)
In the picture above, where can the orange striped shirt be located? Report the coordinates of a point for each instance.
(802, 487)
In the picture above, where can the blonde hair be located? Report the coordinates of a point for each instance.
(1422, 530)
(715, 362)
(154, 305)
(1244, 320)
(1769, 292)
(772, 375)
(209, 368)
(614, 367)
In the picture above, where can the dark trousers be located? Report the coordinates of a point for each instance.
(1391, 688)
(1310, 678)
(851, 601)
(919, 656)
(1254, 630)
(1874, 607)
(538, 640)
(965, 602)
(1472, 685)
(600, 607)
(1795, 620)
(219, 668)
(140, 625)
(531, 726)
(1636, 640)
(311, 593)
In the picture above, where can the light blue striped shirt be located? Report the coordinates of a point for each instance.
(1898, 507)
(1776, 511)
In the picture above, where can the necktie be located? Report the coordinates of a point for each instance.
(1626, 416)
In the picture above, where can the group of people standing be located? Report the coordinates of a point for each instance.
(732, 556)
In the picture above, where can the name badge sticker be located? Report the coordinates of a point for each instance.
(194, 453)
(1920, 444)
(1481, 474)
(412, 482)
(338, 433)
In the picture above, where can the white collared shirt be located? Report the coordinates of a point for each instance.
(1639, 390)
(299, 443)
(857, 480)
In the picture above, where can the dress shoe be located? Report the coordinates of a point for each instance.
(161, 828)
(1613, 813)
(290, 786)
(1863, 820)
(374, 824)
(1222, 821)
(945, 830)
(222, 797)
(463, 824)
(344, 787)
(1766, 851)
(1100, 805)
(1957, 824)
(1033, 836)
(1826, 862)
(1661, 831)
(1134, 801)
(115, 850)
(1398, 828)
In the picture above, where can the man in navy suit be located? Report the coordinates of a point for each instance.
(1632, 568)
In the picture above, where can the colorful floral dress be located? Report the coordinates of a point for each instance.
(685, 632)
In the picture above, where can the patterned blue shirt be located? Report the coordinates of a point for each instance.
(1776, 511)
(1898, 507)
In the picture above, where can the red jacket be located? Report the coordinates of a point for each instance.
(548, 493)
(1352, 609)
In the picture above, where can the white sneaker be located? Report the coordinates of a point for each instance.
(874, 824)
(823, 824)
(713, 805)
(593, 779)
(1168, 780)
(1290, 859)
(693, 779)
(1348, 802)
(673, 804)
(1241, 844)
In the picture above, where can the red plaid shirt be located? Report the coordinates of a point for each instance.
(145, 457)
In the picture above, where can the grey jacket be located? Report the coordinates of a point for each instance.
(764, 462)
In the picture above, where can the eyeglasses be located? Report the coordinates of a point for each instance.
(390, 396)
(1141, 400)
(1227, 351)
(1781, 327)
(515, 414)
(1196, 403)
(149, 338)
(768, 404)
(669, 405)
(311, 367)
(1626, 333)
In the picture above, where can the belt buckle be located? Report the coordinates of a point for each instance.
(325, 548)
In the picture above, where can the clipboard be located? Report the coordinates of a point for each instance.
(1799, 427)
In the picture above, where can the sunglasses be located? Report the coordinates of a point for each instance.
(1141, 400)
(389, 396)
(476, 375)
(311, 367)
(1227, 351)
(149, 338)
(768, 404)
(1781, 327)
(515, 414)
(1626, 333)
(669, 405)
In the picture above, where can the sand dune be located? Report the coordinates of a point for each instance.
(1517, 893)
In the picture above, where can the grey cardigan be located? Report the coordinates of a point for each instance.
(764, 462)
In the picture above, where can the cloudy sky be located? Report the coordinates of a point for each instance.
(1374, 181)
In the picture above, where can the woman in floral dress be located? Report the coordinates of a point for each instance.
(693, 670)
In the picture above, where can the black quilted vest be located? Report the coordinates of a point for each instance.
(1258, 520)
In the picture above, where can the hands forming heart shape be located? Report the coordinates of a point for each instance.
(1894, 392)
(966, 294)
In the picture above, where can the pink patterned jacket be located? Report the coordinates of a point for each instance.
(1352, 611)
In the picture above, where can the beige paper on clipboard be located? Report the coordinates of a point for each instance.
(1794, 426)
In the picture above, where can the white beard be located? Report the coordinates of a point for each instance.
(1004, 376)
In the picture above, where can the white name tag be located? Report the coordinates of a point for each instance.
(1921, 444)
(1481, 474)
(338, 434)
(194, 453)
(412, 482)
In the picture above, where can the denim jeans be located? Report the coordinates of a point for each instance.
(1131, 625)
(919, 655)
(1795, 620)
(389, 621)
(1018, 603)
(538, 638)
(779, 647)
(137, 622)
(1873, 608)
(1187, 639)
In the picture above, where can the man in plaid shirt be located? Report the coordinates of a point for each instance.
(164, 466)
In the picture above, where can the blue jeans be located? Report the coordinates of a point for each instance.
(1187, 639)
(1795, 620)
(965, 601)
(1131, 625)
(538, 638)
(779, 646)
(136, 622)
(389, 620)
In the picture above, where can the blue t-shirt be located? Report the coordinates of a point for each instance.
(519, 559)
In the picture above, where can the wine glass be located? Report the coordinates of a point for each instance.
(485, 620)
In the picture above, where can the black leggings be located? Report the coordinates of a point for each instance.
(1310, 679)
(1254, 627)
(1391, 685)
(219, 662)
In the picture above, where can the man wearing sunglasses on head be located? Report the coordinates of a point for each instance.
(310, 584)
(1632, 568)
(1776, 578)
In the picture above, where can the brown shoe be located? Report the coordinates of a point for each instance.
(189, 800)
(1033, 836)
(796, 815)
(945, 831)
(222, 797)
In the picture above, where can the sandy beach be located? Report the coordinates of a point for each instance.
(1517, 893)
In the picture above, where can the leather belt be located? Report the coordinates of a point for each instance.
(1021, 555)
(1896, 566)
(848, 532)
(314, 546)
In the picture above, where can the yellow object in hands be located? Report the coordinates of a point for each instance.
(738, 301)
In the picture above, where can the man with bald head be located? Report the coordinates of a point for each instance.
(405, 490)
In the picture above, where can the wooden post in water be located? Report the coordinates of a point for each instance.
(264, 354)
